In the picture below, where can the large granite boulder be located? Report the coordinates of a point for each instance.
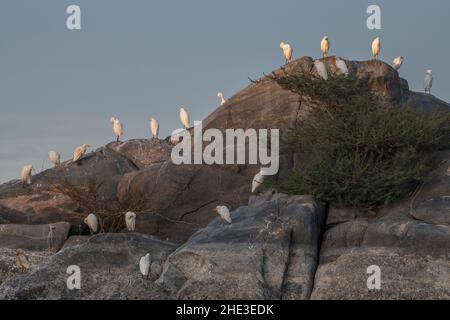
(109, 265)
(269, 251)
(143, 152)
(40, 203)
(10, 267)
(175, 201)
(409, 241)
(47, 237)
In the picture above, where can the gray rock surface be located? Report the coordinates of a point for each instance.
(109, 267)
(269, 251)
(49, 237)
(409, 241)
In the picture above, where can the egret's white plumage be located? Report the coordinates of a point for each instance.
(54, 157)
(154, 126)
(428, 81)
(321, 69)
(144, 265)
(130, 220)
(376, 47)
(258, 180)
(397, 63)
(325, 46)
(221, 98)
(80, 152)
(287, 51)
(26, 174)
(224, 212)
(117, 127)
(342, 66)
(92, 222)
(184, 118)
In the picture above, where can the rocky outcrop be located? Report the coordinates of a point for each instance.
(40, 204)
(272, 248)
(269, 251)
(137, 171)
(49, 237)
(10, 266)
(143, 152)
(410, 242)
(109, 266)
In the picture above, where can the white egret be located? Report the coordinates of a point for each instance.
(428, 81)
(325, 46)
(26, 174)
(117, 128)
(130, 220)
(154, 126)
(287, 51)
(224, 212)
(376, 47)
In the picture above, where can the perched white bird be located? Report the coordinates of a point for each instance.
(54, 157)
(154, 126)
(342, 66)
(397, 63)
(325, 46)
(92, 222)
(287, 51)
(80, 152)
(258, 180)
(221, 98)
(144, 265)
(376, 47)
(321, 69)
(130, 220)
(25, 176)
(224, 212)
(184, 118)
(428, 81)
(117, 127)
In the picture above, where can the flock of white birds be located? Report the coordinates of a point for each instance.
(130, 217)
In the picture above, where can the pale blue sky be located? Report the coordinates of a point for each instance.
(138, 58)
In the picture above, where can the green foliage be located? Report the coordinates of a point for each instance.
(357, 149)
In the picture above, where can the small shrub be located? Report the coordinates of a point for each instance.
(358, 149)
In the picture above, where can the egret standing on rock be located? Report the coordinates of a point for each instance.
(325, 46)
(342, 66)
(130, 220)
(224, 212)
(321, 69)
(397, 63)
(184, 118)
(92, 222)
(376, 47)
(80, 152)
(221, 98)
(144, 265)
(287, 51)
(428, 81)
(117, 128)
(54, 158)
(154, 126)
(258, 180)
(25, 176)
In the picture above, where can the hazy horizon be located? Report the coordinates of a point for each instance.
(140, 59)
